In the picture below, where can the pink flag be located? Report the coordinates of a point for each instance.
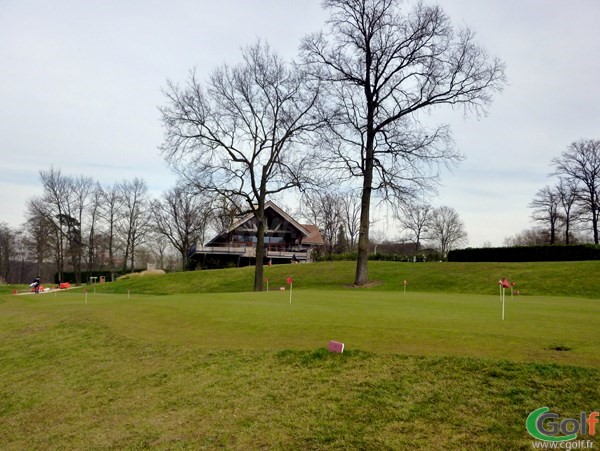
(289, 280)
(505, 283)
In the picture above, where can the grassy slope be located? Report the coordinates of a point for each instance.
(579, 279)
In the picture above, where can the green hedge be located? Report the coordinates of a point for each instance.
(526, 254)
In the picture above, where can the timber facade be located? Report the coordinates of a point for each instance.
(286, 241)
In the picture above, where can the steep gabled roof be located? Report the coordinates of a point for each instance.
(315, 235)
(303, 229)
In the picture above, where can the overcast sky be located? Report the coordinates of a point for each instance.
(81, 80)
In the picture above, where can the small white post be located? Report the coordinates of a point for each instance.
(86, 295)
(290, 293)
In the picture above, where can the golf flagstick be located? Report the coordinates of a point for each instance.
(501, 287)
(504, 284)
(502, 303)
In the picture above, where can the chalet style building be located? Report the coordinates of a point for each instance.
(286, 241)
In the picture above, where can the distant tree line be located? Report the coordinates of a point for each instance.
(425, 230)
(568, 210)
(77, 225)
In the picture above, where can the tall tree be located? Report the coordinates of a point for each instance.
(545, 205)
(446, 229)
(111, 212)
(54, 207)
(581, 163)
(239, 134)
(350, 207)
(182, 218)
(416, 219)
(567, 197)
(39, 238)
(93, 219)
(7, 251)
(324, 209)
(82, 189)
(42, 236)
(135, 221)
(382, 66)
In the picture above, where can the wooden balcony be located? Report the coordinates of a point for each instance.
(245, 250)
(223, 250)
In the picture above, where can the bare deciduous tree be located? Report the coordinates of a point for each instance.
(62, 205)
(581, 164)
(92, 220)
(545, 206)
(350, 206)
(528, 237)
(7, 251)
(239, 134)
(111, 212)
(81, 190)
(324, 209)
(134, 224)
(182, 218)
(415, 218)
(382, 66)
(225, 212)
(567, 196)
(53, 206)
(446, 229)
(40, 235)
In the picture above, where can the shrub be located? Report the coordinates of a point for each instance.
(526, 254)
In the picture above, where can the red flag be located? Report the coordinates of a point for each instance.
(269, 263)
(266, 280)
(505, 283)
(289, 280)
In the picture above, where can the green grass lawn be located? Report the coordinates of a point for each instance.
(250, 370)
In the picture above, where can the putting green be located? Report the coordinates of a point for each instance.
(536, 328)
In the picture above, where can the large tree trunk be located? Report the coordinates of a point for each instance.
(260, 246)
(595, 220)
(362, 273)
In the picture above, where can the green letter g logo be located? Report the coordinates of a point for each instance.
(536, 428)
